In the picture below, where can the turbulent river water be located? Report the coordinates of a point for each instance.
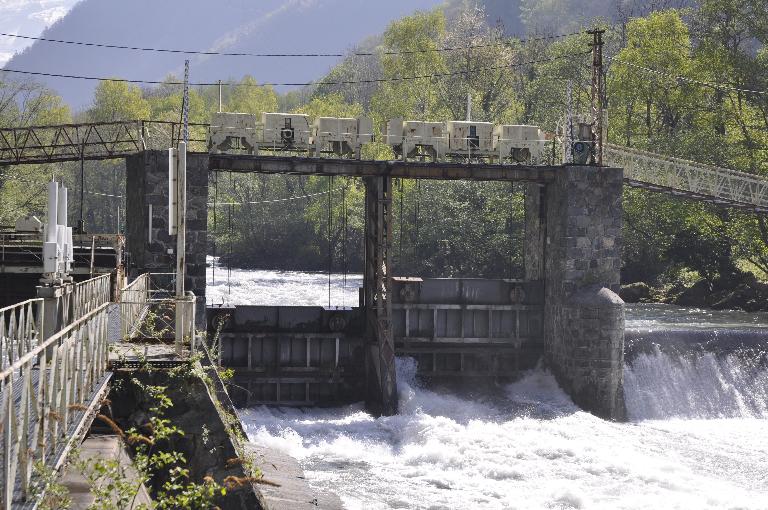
(696, 387)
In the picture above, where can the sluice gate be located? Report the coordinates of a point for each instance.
(309, 356)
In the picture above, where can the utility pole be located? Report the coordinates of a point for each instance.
(568, 153)
(469, 90)
(183, 317)
(219, 96)
(597, 93)
(181, 189)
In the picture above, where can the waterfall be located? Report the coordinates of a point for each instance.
(661, 384)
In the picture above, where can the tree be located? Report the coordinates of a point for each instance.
(117, 100)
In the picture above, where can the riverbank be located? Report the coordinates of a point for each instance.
(735, 292)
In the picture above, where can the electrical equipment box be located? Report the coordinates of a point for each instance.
(233, 133)
(583, 147)
(415, 139)
(341, 136)
(468, 139)
(285, 132)
(519, 144)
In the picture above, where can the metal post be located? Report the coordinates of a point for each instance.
(597, 93)
(185, 106)
(382, 391)
(181, 217)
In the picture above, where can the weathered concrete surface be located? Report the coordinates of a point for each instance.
(147, 184)
(103, 448)
(206, 444)
(583, 315)
(292, 491)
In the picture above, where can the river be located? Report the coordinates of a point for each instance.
(697, 435)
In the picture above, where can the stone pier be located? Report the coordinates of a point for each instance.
(147, 185)
(573, 240)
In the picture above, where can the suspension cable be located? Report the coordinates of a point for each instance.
(330, 243)
(344, 246)
(401, 226)
(231, 233)
(215, 232)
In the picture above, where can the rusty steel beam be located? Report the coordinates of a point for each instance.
(359, 168)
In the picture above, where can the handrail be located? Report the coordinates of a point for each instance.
(17, 305)
(55, 380)
(50, 341)
(21, 328)
(133, 300)
(718, 183)
(89, 294)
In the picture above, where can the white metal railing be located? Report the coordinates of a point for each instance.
(89, 295)
(21, 328)
(683, 175)
(134, 298)
(148, 306)
(42, 397)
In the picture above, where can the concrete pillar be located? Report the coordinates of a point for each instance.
(56, 307)
(584, 316)
(377, 289)
(147, 184)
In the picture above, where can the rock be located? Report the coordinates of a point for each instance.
(635, 292)
(750, 298)
(697, 295)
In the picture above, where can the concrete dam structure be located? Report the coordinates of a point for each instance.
(565, 311)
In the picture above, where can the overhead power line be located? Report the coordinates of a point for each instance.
(716, 86)
(298, 84)
(284, 55)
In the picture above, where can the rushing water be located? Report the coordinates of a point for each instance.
(698, 435)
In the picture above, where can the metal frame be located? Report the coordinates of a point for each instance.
(45, 396)
(95, 140)
(145, 292)
(20, 330)
(679, 177)
(377, 284)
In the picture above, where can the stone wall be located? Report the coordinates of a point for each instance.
(584, 317)
(147, 183)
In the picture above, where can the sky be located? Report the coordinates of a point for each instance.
(27, 17)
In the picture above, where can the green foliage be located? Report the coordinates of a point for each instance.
(716, 41)
(115, 100)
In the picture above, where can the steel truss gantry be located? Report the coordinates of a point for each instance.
(688, 179)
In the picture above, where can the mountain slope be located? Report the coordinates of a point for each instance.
(265, 26)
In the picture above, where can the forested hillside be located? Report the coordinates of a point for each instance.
(686, 82)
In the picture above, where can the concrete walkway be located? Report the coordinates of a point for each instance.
(105, 448)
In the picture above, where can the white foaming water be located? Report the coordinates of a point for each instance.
(260, 287)
(698, 439)
(531, 449)
(696, 385)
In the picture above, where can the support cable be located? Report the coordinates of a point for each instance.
(81, 223)
(215, 231)
(301, 84)
(416, 221)
(715, 86)
(402, 227)
(230, 234)
(330, 243)
(345, 239)
(506, 42)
